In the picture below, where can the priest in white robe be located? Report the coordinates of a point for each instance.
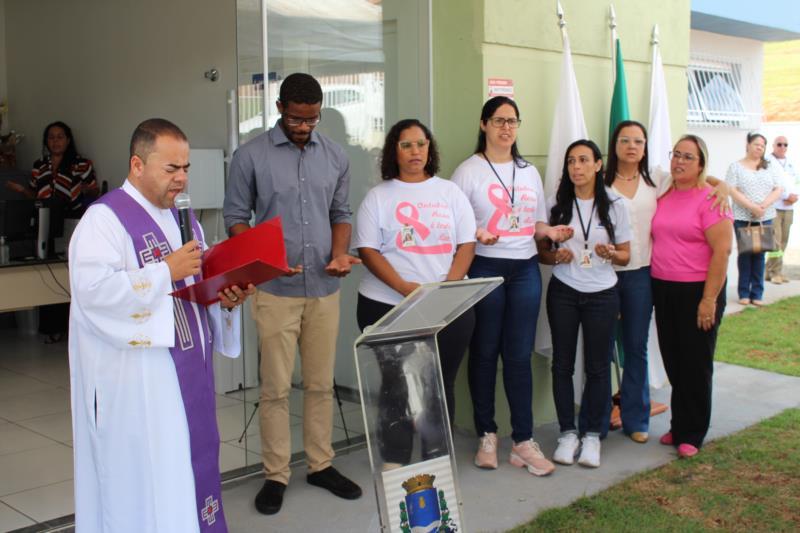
(131, 434)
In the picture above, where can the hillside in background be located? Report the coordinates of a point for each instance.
(782, 81)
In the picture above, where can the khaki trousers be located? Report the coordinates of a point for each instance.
(283, 324)
(781, 224)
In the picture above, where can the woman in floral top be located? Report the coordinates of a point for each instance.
(755, 187)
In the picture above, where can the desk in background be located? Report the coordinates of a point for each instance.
(26, 284)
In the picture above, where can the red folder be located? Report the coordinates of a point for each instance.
(254, 256)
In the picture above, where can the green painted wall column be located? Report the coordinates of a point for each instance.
(474, 40)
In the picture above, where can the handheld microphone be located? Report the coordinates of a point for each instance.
(183, 203)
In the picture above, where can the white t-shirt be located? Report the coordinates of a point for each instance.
(491, 201)
(791, 181)
(601, 275)
(641, 209)
(416, 227)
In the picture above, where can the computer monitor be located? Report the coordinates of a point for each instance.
(18, 219)
(18, 226)
(19, 223)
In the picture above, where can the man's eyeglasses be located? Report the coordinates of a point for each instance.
(499, 122)
(408, 145)
(295, 121)
(782, 145)
(680, 156)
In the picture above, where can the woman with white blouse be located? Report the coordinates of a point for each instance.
(628, 175)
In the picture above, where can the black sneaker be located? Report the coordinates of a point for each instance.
(270, 498)
(331, 479)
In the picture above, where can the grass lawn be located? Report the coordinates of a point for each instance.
(766, 338)
(749, 481)
(781, 81)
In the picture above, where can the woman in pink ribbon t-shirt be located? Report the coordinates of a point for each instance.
(412, 228)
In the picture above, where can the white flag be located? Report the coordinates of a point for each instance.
(568, 126)
(659, 143)
(568, 123)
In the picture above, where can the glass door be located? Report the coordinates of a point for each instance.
(371, 58)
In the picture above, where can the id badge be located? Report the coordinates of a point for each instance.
(586, 258)
(513, 222)
(407, 234)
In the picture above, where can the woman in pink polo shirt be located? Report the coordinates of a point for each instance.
(691, 245)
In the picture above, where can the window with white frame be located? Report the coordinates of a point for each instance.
(716, 93)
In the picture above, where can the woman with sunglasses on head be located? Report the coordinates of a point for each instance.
(755, 187)
(691, 245)
(411, 229)
(629, 176)
(507, 196)
(582, 294)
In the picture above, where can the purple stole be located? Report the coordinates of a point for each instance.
(195, 370)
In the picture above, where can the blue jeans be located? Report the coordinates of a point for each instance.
(751, 269)
(596, 313)
(505, 324)
(636, 308)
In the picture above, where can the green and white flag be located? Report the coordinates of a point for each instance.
(619, 100)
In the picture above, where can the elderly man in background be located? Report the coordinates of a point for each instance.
(784, 207)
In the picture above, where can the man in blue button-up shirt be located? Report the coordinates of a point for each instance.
(302, 176)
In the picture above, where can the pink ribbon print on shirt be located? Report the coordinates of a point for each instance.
(502, 210)
(405, 239)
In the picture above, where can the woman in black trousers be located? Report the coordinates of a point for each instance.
(691, 245)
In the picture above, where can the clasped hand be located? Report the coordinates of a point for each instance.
(605, 252)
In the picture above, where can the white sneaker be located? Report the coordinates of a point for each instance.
(567, 449)
(590, 451)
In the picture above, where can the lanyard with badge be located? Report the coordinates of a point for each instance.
(513, 216)
(586, 253)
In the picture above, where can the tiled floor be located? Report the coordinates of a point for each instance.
(36, 432)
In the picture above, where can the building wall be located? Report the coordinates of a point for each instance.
(518, 39)
(3, 73)
(102, 67)
(727, 144)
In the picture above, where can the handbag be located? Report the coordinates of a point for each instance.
(755, 239)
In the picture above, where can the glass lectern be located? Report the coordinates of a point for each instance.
(409, 441)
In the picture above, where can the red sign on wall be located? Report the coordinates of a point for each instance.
(501, 87)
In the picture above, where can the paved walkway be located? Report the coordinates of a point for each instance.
(498, 500)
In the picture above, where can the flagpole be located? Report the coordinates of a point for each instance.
(612, 23)
(654, 42)
(568, 122)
